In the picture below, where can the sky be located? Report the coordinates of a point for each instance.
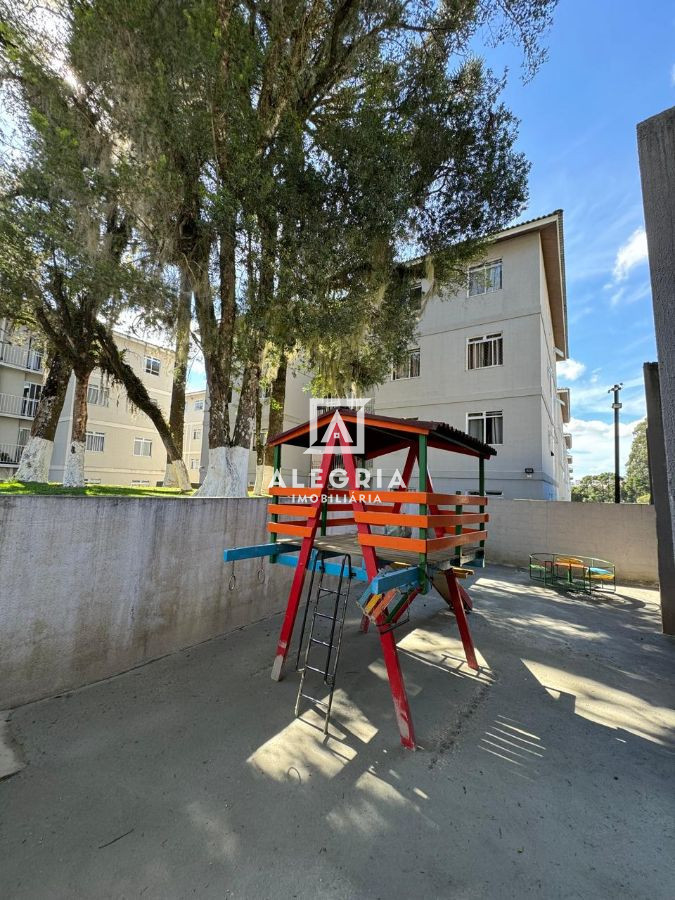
(610, 66)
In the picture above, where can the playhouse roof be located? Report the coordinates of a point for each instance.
(385, 434)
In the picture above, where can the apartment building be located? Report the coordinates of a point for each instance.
(123, 446)
(21, 378)
(485, 362)
(193, 433)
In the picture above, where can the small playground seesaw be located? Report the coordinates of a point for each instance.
(431, 546)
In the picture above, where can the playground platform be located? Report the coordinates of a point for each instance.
(548, 773)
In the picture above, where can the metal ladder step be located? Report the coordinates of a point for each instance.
(328, 671)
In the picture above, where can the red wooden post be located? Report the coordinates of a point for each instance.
(460, 615)
(300, 572)
(405, 478)
(457, 597)
(387, 640)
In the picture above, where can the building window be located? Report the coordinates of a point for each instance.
(485, 278)
(199, 404)
(95, 441)
(142, 447)
(194, 463)
(488, 427)
(98, 395)
(31, 397)
(24, 434)
(92, 480)
(136, 483)
(416, 297)
(152, 365)
(483, 352)
(196, 434)
(409, 367)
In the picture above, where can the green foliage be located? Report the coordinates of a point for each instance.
(594, 488)
(636, 487)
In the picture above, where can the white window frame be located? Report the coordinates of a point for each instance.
(92, 480)
(199, 405)
(194, 463)
(141, 442)
(138, 482)
(408, 365)
(483, 417)
(197, 433)
(94, 441)
(486, 282)
(152, 363)
(98, 395)
(495, 341)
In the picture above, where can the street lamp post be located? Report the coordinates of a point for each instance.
(616, 406)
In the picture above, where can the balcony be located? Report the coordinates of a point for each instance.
(20, 357)
(10, 454)
(19, 407)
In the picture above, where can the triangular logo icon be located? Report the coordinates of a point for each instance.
(337, 429)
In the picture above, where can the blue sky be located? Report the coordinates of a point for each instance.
(610, 65)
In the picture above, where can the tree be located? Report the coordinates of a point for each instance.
(594, 488)
(36, 455)
(288, 152)
(67, 257)
(636, 484)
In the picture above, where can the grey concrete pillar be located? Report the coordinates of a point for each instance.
(656, 147)
(659, 484)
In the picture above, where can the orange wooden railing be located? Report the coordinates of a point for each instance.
(442, 529)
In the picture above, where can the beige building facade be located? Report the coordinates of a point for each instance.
(21, 378)
(122, 447)
(193, 434)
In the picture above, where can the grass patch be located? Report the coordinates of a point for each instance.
(18, 488)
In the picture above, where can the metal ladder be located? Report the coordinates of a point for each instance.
(334, 619)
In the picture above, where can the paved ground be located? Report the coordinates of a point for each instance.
(550, 774)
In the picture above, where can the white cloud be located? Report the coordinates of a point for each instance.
(592, 397)
(570, 369)
(630, 254)
(593, 445)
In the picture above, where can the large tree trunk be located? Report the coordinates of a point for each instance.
(226, 472)
(275, 422)
(177, 411)
(37, 454)
(73, 475)
(113, 362)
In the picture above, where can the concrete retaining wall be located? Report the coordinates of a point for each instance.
(624, 534)
(90, 587)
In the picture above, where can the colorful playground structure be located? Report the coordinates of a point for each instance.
(573, 573)
(401, 551)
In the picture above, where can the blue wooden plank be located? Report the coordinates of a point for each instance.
(258, 550)
(388, 580)
(330, 568)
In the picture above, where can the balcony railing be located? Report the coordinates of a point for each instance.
(20, 357)
(22, 407)
(10, 454)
